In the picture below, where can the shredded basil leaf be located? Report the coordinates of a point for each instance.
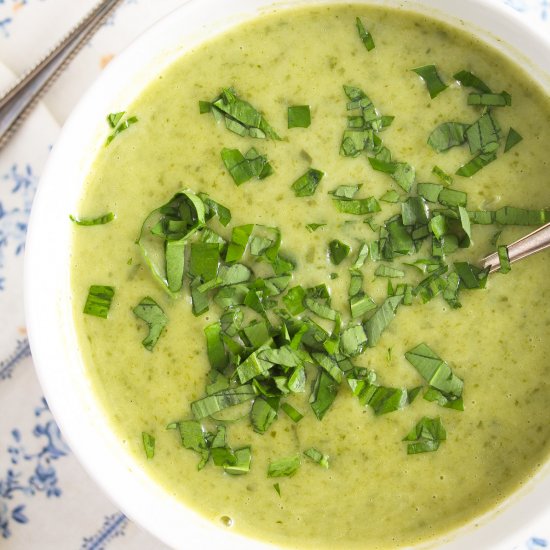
(447, 135)
(291, 412)
(435, 371)
(240, 116)
(470, 80)
(148, 445)
(150, 312)
(164, 234)
(100, 220)
(442, 175)
(284, 467)
(211, 404)
(243, 168)
(323, 394)
(364, 35)
(306, 185)
(317, 456)
(513, 138)
(503, 99)
(431, 77)
(382, 317)
(118, 125)
(338, 251)
(299, 116)
(503, 259)
(98, 301)
(426, 435)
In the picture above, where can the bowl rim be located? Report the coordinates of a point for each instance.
(49, 327)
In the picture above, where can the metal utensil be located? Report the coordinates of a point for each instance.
(534, 242)
(17, 102)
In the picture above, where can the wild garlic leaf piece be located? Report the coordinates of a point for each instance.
(240, 116)
(447, 135)
(211, 404)
(425, 436)
(284, 467)
(150, 312)
(99, 220)
(299, 116)
(364, 35)
(98, 301)
(431, 78)
(164, 234)
(435, 371)
(381, 319)
(306, 184)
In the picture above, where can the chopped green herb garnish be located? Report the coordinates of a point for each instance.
(114, 118)
(513, 138)
(291, 412)
(358, 207)
(207, 406)
(294, 300)
(118, 125)
(264, 413)
(471, 276)
(435, 371)
(323, 394)
(452, 197)
(150, 312)
(476, 164)
(317, 456)
(99, 300)
(299, 116)
(306, 185)
(240, 463)
(447, 135)
(284, 467)
(382, 317)
(429, 191)
(242, 168)
(388, 271)
(148, 445)
(470, 80)
(442, 175)
(311, 227)
(364, 35)
(100, 220)
(277, 488)
(338, 251)
(390, 196)
(240, 116)
(483, 135)
(504, 259)
(164, 234)
(490, 100)
(426, 435)
(431, 77)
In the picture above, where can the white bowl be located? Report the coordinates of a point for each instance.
(48, 300)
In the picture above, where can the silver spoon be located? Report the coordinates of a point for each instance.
(534, 242)
(17, 102)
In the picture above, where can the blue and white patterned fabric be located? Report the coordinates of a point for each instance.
(46, 500)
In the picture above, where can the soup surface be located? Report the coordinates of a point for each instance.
(373, 494)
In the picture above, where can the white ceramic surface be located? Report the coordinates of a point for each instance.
(48, 303)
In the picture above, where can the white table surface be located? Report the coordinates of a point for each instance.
(46, 500)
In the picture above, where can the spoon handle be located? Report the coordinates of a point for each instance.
(17, 102)
(534, 242)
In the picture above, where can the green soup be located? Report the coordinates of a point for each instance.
(374, 494)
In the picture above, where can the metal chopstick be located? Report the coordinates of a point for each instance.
(18, 101)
